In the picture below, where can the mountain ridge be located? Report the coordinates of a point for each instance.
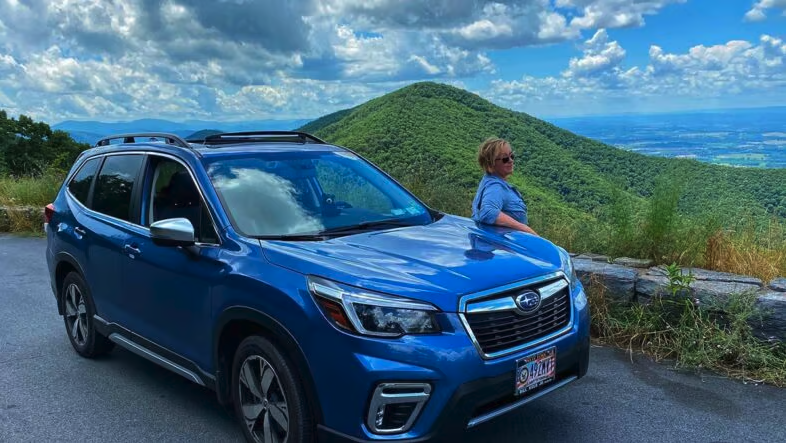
(429, 123)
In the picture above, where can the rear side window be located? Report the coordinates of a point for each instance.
(80, 184)
(115, 184)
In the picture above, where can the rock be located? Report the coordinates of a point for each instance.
(5, 222)
(708, 292)
(778, 284)
(593, 257)
(572, 254)
(649, 286)
(619, 281)
(632, 262)
(713, 276)
(771, 323)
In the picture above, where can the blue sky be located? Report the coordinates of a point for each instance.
(219, 60)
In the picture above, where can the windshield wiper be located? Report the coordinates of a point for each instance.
(367, 225)
(291, 237)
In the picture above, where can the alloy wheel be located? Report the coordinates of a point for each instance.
(262, 400)
(76, 314)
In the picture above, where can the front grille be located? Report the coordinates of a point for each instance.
(501, 330)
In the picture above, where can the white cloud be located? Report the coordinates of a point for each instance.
(599, 79)
(428, 67)
(613, 13)
(295, 98)
(600, 55)
(243, 59)
(759, 10)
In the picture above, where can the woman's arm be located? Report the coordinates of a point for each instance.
(508, 221)
(491, 210)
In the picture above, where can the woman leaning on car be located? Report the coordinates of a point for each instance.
(497, 202)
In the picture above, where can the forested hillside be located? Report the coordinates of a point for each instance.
(432, 131)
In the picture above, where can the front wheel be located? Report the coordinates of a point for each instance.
(268, 399)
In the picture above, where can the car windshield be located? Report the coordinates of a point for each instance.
(304, 193)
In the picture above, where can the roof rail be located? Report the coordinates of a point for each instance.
(260, 136)
(131, 138)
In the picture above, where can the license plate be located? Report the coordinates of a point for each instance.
(535, 370)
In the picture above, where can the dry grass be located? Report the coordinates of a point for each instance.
(718, 339)
(26, 220)
(746, 252)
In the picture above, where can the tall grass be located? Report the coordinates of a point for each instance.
(656, 229)
(27, 191)
(750, 245)
(718, 338)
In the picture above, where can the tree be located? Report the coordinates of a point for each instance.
(29, 148)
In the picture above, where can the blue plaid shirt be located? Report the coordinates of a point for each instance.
(496, 195)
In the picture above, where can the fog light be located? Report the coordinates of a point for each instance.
(380, 416)
(395, 406)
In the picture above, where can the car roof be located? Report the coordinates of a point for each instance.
(207, 149)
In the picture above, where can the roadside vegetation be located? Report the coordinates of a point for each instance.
(677, 328)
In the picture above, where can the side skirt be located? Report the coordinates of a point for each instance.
(157, 354)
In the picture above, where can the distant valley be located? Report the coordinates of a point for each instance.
(735, 137)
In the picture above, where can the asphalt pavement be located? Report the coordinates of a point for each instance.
(48, 393)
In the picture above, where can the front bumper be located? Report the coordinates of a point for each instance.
(467, 390)
(480, 401)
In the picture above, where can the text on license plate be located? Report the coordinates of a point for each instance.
(535, 370)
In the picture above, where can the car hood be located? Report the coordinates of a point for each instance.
(436, 263)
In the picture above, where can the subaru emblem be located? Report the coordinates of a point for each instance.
(528, 301)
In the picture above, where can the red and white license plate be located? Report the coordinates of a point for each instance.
(535, 370)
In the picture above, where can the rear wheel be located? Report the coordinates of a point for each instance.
(79, 310)
(267, 396)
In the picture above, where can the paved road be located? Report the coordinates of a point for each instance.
(48, 393)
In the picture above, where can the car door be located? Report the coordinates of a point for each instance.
(101, 226)
(167, 289)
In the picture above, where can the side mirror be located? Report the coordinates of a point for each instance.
(173, 232)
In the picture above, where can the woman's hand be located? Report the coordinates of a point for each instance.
(509, 222)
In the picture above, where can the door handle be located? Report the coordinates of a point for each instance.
(131, 250)
(79, 231)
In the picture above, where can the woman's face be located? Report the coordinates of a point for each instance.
(503, 162)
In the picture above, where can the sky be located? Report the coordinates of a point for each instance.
(231, 60)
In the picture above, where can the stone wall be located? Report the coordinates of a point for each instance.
(30, 215)
(636, 281)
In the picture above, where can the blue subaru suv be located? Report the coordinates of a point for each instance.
(318, 297)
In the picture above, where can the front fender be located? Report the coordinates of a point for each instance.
(275, 331)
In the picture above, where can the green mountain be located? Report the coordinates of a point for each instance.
(200, 135)
(578, 190)
(429, 133)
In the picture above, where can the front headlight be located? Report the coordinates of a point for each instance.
(375, 314)
(567, 267)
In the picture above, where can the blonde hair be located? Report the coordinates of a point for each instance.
(487, 153)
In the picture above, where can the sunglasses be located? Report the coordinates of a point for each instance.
(511, 157)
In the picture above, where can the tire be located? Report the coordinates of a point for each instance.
(258, 410)
(78, 312)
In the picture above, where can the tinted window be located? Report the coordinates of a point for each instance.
(80, 184)
(294, 193)
(175, 195)
(112, 194)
